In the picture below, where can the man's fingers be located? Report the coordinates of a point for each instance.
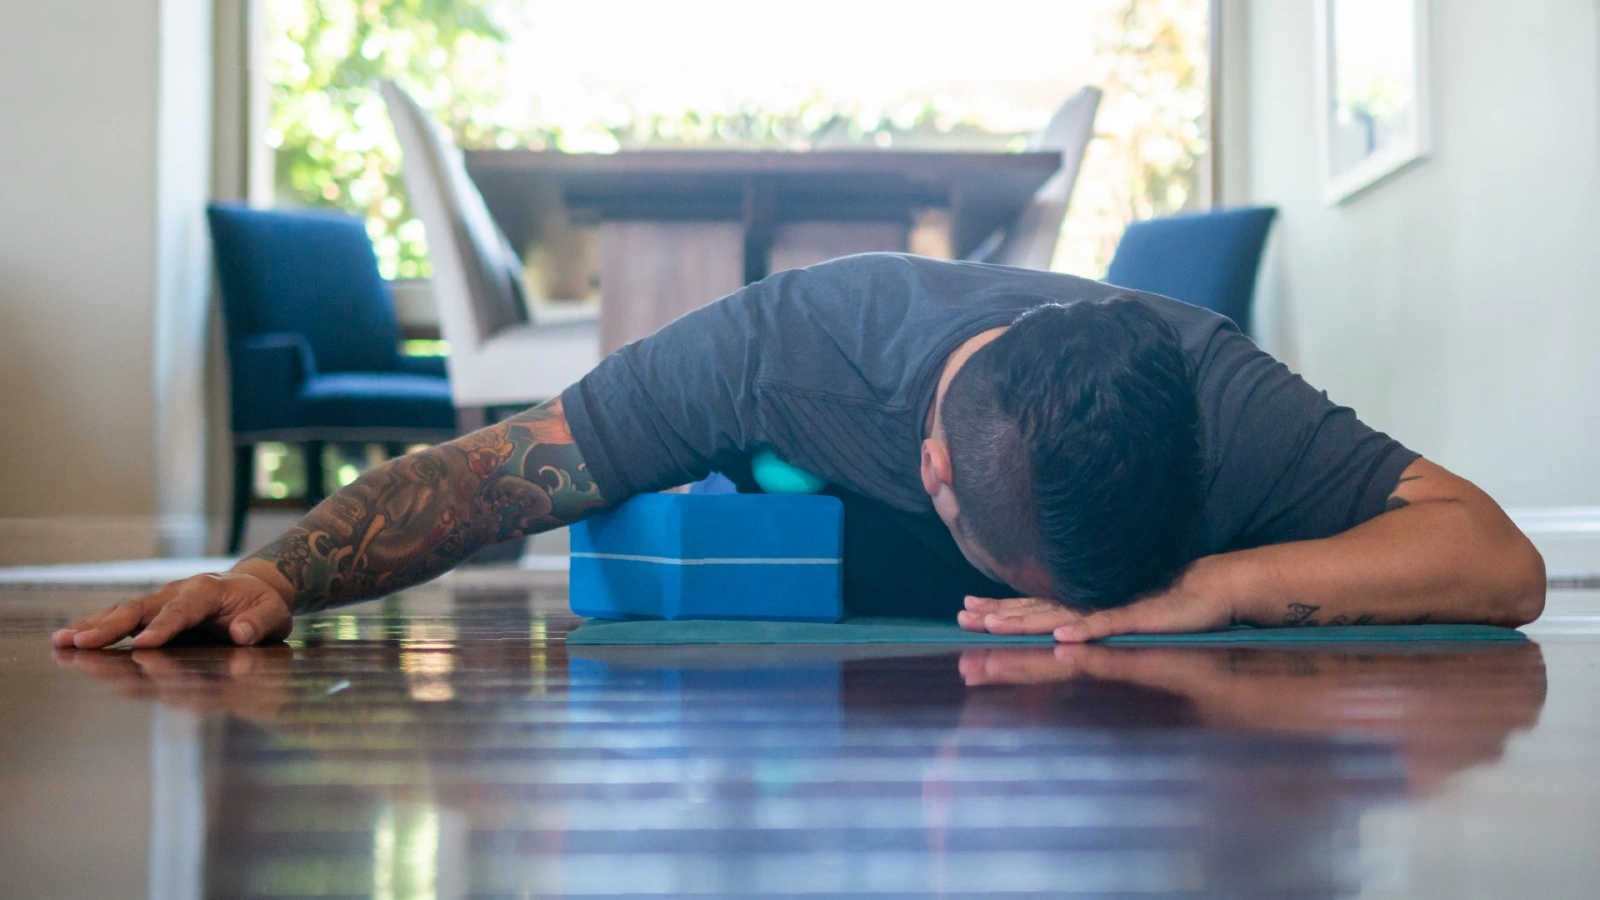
(174, 618)
(980, 604)
(1034, 621)
(242, 616)
(63, 637)
(112, 618)
(239, 607)
(1014, 615)
(977, 608)
(1156, 615)
(1006, 605)
(113, 625)
(1132, 619)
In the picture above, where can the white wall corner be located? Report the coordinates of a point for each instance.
(184, 534)
(1232, 138)
(184, 143)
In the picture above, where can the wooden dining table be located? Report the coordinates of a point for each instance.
(679, 228)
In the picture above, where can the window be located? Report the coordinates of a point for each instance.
(595, 77)
(611, 74)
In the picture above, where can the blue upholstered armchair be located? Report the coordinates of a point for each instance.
(1206, 259)
(313, 344)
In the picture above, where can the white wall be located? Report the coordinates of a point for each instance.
(183, 274)
(98, 250)
(77, 257)
(1458, 305)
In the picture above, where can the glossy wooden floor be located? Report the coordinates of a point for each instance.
(446, 745)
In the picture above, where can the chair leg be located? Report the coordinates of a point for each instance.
(244, 477)
(316, 480)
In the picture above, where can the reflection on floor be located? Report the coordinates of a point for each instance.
(448, 745)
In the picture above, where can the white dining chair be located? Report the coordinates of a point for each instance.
(1030, 241)
(498, 356)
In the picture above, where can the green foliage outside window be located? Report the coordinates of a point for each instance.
(331, 135)
(1151, 131)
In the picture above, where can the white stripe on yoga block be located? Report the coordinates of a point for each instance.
(712, 561)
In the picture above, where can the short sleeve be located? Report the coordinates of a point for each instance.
(673, 407)
(1285, 463)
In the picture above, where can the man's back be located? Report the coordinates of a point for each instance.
(834, 367)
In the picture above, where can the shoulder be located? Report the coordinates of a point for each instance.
(875, 272)
(1203, 334)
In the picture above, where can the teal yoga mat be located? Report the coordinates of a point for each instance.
(930, 631)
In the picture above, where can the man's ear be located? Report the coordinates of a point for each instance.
(936, 476)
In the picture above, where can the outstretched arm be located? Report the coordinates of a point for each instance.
(416, 517)
(1443, 551)
(402, 523)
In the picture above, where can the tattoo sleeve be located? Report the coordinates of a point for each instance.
(415, 517)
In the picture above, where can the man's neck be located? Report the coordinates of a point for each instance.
(952, 365)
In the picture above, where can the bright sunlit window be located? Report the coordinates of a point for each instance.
(601, 76)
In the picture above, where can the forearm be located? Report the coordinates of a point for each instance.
(1438, 561)
(416, 517)
(1442, 552)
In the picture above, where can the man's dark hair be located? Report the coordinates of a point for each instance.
(1074, 440)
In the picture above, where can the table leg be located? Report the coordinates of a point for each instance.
(799, 244)
(654, 272)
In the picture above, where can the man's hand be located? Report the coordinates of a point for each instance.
(1199, 601)
(235, 606)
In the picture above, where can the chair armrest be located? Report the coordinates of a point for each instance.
(423, 365)
(267, 372)
(282, 357)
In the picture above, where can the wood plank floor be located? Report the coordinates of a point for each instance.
(446, 744)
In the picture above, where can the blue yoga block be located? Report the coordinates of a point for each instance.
(711, 556)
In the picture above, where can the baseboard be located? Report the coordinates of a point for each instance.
(73, 539)
(1569, 538)
(182, 535)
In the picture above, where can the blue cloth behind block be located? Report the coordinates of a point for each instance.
(932, 631)
(711, 556)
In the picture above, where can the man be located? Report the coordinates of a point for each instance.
(1027, 451)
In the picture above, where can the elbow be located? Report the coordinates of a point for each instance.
(1525, 582)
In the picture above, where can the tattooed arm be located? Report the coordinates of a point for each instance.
(1442, 551)
(399, 524)
(418, 516)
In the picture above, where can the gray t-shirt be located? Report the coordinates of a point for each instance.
(835, 366)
